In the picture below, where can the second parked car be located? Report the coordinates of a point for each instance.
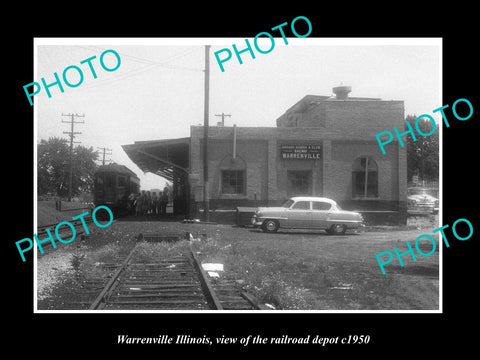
(307, 213)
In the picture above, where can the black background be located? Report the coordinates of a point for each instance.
(61, 335)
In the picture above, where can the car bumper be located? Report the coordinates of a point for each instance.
(353, 225)
(359, 227)
(256, 222)
(421, 209)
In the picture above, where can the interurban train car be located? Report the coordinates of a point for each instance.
(113, 185)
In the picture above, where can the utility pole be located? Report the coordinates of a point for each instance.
(223, 117)
(206, 201)
(105, 153)
(72, 133)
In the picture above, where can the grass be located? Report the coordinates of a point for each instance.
(266, 274)
(151, 252)
(305, 270)
(290, 270)
(47, 214)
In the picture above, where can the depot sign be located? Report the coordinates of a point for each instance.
(302, 152)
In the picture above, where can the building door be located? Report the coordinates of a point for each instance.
(299, 183)
(180, 196)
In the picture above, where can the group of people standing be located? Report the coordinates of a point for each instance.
(146, 203)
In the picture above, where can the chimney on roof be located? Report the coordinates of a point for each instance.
(341, 92)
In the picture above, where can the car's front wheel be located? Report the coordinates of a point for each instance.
(337, 229)
(270, 226)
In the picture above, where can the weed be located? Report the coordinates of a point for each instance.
(274, 290)
(151, 252)
(76, 263)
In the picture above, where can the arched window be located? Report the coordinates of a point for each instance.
(364, 178)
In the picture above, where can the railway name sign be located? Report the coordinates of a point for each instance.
(301, 152)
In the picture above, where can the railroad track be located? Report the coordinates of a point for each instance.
(64, 231)
(42, 230)
(175, 283)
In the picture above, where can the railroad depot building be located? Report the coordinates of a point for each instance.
(321, 146)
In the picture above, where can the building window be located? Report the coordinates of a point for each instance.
(365, 178)
(233, 181)
(122, 181)
(299, 183)
(110, 180)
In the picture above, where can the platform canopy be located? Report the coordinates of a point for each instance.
(166, 158)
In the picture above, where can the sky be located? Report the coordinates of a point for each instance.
(157, 92)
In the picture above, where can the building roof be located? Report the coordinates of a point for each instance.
(114, 167)
(315, 110)
(308, 100)
(167, 158)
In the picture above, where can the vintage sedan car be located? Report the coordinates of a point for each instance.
(419, 204)
(307, 213)
(420, 201)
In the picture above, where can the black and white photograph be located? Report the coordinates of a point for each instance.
(304, 208)
(217, 182)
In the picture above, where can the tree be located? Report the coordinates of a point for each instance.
(423, 154)
(84, 167)
(54, 167)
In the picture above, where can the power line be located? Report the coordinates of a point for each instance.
(72, 133)
(149, 61)
(105, 153)
(148, 64)
(223, 117)
(206, 196)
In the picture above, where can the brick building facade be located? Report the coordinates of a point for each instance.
(322, 146)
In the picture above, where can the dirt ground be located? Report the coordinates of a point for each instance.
(289, 270)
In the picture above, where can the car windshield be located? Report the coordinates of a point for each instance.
(288, 203)
(421, 191)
